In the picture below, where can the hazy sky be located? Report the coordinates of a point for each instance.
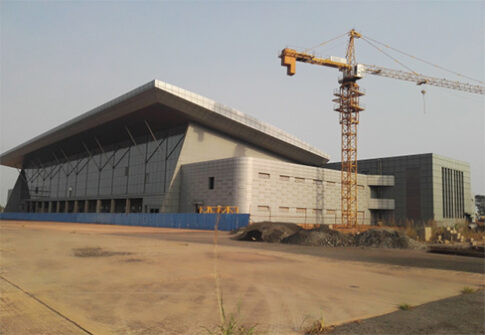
(60, 59)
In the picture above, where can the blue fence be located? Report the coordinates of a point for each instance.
(189, 220)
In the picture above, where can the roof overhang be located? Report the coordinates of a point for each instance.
(163, 105)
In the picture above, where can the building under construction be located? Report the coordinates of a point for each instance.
(160, 148)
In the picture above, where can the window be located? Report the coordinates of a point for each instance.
(299, 180)
(284, 209)
(317, 181)
(284, 178)
(331, 211)
(211, 183)
(126, 171)
(453, 193)
(263, 208)
(317, 211)
(330, 183)
(263, 175)
(301, 210)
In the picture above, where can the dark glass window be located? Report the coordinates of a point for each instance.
(211, 183)
(453, 193)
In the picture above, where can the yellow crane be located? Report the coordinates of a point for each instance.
(347, 99)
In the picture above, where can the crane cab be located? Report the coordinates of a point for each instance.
(352, 74)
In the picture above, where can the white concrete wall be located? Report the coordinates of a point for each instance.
(202, 144)
(232, 185)
(270, 190)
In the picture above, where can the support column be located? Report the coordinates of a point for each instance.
(66, 206)
(98, 206)
(112, 207)
(86, 206)
(49, 210)
(42, 207)
(76, 207)
(58, 206)
(127, 206)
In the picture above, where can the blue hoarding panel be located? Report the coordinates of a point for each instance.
(184, 221)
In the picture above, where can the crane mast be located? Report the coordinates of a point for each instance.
(347, 99)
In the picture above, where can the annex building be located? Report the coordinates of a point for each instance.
(427, 187)
(163, 149)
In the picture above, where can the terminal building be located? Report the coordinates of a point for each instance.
(163, 149)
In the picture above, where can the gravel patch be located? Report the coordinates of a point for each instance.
(322, 236)
(290, 233)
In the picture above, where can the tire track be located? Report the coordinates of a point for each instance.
(47, 306)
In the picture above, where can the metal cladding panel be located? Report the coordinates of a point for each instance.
(227, 222)
(186, 106)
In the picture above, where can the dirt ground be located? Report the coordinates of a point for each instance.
(463, 314)
(64, 278)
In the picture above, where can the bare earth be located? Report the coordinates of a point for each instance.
(166, 284)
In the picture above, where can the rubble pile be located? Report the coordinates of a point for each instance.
(382, 238)
(267, 231)
(321, 236)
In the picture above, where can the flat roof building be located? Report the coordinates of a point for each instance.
(427, 187)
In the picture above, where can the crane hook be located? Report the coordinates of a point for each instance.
(423, 92)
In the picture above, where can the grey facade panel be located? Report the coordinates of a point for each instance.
(422, 190)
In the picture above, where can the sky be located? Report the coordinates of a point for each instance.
(60, 59)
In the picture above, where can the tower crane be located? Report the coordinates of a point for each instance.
(347, 99)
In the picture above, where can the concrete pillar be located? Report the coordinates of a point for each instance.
(98, 206)
(49, 208)
(76, 206)
(112, 207)
(58, 206)
(41, 209)
(66, 206)
(127, 206)
(86, 206)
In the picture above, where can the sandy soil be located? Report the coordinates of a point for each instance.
(166, 285)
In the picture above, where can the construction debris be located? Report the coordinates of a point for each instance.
(450, 235)
(321, 236)
(324, 236)
(382, 238)
(267, 231)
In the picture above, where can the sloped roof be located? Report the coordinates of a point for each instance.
(163, 102)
